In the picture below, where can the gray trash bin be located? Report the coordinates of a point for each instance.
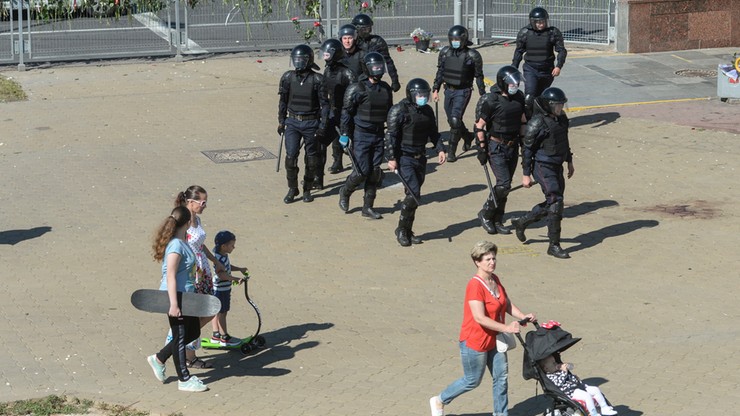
(726, 86)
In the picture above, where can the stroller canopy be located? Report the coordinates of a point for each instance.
(543, 342)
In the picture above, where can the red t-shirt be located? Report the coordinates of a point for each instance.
(475, 336)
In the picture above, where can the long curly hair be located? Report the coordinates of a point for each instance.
(166, 231)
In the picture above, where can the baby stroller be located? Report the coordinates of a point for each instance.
(547, 340)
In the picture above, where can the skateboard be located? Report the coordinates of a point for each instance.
(247, 344)
(191, 304)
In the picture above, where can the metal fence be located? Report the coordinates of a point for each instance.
(172, 28)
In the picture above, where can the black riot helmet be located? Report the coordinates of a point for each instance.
(347, 30)
(507, 75)
(364, 25)
(538, 14)
(550, 98)
(374, 64)
(417, 86)
(302, 57)
(458, 32)
(332, 51)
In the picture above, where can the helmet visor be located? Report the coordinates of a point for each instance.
(300, 62)
(513, 79)
(328, 54)
(375, 68)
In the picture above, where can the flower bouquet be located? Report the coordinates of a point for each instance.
(421, 38)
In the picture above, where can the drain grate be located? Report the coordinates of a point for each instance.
(697, 73)
(238, 155)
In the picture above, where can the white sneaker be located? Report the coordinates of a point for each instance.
(608, 411)
(438, 408)
(193, 384)
(156, 367)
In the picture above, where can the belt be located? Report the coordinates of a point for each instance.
(415, 155)
(508, 143)
(454, 88)
(304, 117)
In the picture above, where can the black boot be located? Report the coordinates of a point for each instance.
(554, 218)
(520, 224)
(451, 156)
(312, 163)
(367, 208)
(353, 180)
(318, 182)
(467, 140)
(336, 154)
(344, 198)
(486, 216)
(291, 172)
(498, 217)
(405, 221)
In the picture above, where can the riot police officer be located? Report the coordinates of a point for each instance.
(457, 67)
(370, 42)
(337, 77)
(364, 112)
(299, 117)
(353, 59)
(535, 43)
(411, 124)
(499, 123)
(546, 147)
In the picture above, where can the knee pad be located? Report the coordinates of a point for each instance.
(291, 162)
(556, 208)
(500, 192)
(409, 204)
(376, 176)
(455, 123)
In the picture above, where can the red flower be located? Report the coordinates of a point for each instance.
(416, 39)
(316, 24)
(365, 5)
(294, 19)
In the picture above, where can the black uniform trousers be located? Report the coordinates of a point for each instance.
(503, 161)
(456, 102)
(413, 169)
(552, 182)
(367, 149)
(297, 130)
(537, 77)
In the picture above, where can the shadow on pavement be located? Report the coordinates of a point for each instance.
(13, 237)
(281, 345)
(598, 119)
(593, 238)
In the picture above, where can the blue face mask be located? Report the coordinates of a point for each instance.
(512, 90)
(455, 44)
(421, 101)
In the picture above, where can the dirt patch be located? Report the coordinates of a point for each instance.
(699, 209)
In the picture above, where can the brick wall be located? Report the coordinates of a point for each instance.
(665, 25)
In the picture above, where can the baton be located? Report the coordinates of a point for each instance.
(280, 152)
(406, 185)
(520, 187)
(492, 196)
(436, 113)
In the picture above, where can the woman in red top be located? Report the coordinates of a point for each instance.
(486, 304)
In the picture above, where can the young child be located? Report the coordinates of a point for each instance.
(573, 387)
(225, 242)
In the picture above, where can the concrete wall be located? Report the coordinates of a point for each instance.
(665, 25)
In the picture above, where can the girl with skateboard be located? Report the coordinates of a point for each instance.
(178, 272)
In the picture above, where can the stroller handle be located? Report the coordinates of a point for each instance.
(525, 321)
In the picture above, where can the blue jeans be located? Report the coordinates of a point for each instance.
(474, 365)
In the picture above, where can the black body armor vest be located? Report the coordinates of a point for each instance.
(556, 144)
(509, 120)
(539, 48)
(374, 108)
(416, 129)
(302, 98)
(456, 73)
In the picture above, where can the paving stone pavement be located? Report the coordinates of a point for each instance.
(356, 324)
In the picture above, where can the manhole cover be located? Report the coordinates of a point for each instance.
(238, 155)
(697, 73)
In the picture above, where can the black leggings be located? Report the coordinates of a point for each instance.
(185, 329)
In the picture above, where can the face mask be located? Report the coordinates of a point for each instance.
(455, 44)
(421, 101)
(512, 90)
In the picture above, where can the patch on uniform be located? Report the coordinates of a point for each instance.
(238, 155)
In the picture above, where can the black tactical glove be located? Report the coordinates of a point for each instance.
(281, 129)
(482, 155)
(395, 86)
(320, 134)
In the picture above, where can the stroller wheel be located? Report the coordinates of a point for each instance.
(259, 341)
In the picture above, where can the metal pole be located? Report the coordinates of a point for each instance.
(178, 36)
(329, 25)
(458, 12)
(21, 46)
(476, 29)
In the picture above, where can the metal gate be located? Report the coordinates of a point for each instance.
(584, 21)
(83, 30)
